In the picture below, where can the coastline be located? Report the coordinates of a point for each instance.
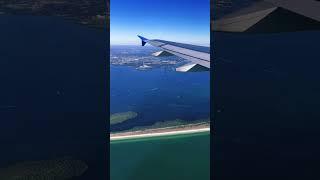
(159, 132)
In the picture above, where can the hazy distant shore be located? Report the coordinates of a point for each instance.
(168, 131)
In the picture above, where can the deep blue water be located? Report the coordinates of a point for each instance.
(159, 94)
(266, 100)
(52, 95)
(267, 93)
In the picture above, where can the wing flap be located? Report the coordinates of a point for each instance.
(162, 53)
(191, 67)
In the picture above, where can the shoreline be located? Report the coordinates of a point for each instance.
(158, 132)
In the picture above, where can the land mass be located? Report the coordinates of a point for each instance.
(166, 131)
(143, 63)
(94, 13)
(166, 124)
(165, 128)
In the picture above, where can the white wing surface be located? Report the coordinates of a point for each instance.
(199, 56)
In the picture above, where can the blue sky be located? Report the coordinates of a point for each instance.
(185, 21)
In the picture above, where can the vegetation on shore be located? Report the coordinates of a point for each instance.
(122, 117)
(169, 124)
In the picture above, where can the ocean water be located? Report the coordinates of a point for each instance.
(156, 94)
(52, 95)
(173, 157)
(267, 86)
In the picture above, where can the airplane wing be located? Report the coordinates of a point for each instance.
(272, 16)
(199, 56)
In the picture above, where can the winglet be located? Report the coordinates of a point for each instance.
(143, 40)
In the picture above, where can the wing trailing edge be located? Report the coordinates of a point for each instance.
(191, 67)
(162, 53)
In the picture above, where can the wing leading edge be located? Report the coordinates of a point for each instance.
(199, 56)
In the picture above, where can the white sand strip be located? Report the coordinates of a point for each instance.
(177, 132)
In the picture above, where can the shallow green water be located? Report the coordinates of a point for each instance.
(173, 157)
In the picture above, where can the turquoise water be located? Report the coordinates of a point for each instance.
(172, 157)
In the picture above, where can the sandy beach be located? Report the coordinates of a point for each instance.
(168, 131)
